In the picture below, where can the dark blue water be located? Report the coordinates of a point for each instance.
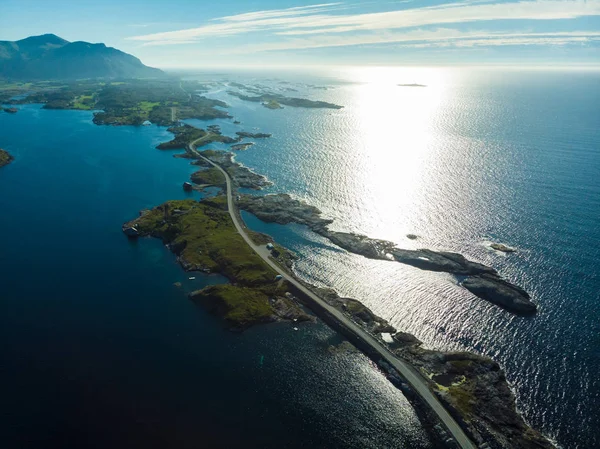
(100, 350)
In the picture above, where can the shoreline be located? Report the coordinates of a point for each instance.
(367, 343)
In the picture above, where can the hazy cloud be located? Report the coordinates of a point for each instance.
(322, 25)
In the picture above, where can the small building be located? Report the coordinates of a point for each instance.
(269, 246)
(147, 123)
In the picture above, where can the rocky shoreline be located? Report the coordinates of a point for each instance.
(483, 281)
(473, 388)
(241, 176)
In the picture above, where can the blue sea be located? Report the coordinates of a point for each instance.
(100, 349)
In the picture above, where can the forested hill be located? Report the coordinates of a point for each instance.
(49, 57)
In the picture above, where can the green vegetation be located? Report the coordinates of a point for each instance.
(211, 176)
(5, 158)
(126, 102)
(185, 134)
(204, 237)
(240, 306)
(462, 398)
(272, 104)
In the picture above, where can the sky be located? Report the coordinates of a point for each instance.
(263, 33)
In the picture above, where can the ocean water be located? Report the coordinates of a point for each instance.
(477, 156)
(99, 349)
(102, 348)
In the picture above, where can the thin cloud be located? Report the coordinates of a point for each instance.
(439, 37)
(321, 25)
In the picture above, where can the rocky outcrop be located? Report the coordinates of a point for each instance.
(241, 146)
(475, 390)
(5, 158)
(502, 248)
(282, 209)
(472, 387)
(359, 313)
(496, 290)
(243, 134)
(11, 110)
(240, 175)
(484, 282)
(130, 230)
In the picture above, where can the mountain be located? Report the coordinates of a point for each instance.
(49, 57)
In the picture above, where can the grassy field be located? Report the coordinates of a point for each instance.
(205, 238)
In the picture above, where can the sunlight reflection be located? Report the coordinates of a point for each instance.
(396, 128)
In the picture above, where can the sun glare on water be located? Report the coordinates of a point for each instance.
(396, 111)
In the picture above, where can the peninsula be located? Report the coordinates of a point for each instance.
(483, 281)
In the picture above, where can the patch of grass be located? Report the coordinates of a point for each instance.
(147, 106)
(210, 176)
(84, 102)
(205, 237)
(240, 306)
(462, 398)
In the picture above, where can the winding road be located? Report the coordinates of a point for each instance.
(408, 373)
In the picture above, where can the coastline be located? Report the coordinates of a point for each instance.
(470, 421)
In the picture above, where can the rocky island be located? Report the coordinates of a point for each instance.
(205, 239)
(241, 176)
(5, 158)
(11, 110)
(502, 248)
(483, 281)
(277, 99)
(241, 146)
(243, 134)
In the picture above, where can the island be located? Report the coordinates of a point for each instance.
(277, 99)
(483, 281)
(502, 248)
(272, 104)
(243, 134)
(241, 146)
(186, 133)
(11, 110)
(203, 237)
(5, 158)
(162, 101)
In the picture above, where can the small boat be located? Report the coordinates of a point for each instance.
(192, 278)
